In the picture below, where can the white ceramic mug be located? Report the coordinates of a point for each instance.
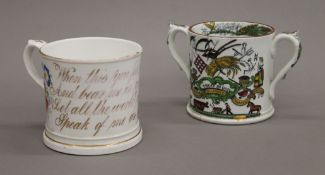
(230, 69)
(91, 93)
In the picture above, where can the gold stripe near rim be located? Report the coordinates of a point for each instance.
(64, 60)
(89, 146)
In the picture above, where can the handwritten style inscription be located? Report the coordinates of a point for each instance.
(91, 100)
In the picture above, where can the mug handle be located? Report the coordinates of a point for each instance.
(30, 66)
(173, 30)
(295, 40)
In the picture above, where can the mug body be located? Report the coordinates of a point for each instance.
(230, 74)
(91, 95)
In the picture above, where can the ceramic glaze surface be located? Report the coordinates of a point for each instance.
(230, 70)
(92, 107)
(91, 49)
(229, 77)
(231, 29)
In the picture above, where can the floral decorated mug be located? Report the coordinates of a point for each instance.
(91, 93)
(230, 69)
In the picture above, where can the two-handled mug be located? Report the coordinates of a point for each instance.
(230, 69)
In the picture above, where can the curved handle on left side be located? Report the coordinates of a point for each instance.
(30, 66)
(294, 39)
(174, 29)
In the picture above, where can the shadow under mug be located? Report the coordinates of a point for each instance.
(230, 69)
(91, 93)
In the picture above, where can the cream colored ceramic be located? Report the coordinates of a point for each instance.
(91, 90)
(230, 69)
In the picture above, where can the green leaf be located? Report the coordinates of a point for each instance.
(253, 30)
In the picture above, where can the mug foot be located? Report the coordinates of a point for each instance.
(92, 149)
(262, 117)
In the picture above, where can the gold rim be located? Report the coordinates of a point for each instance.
(271, 27)
(89, 62)
(89, 146)
(92, 60)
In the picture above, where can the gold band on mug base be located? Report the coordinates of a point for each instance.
(92, 149)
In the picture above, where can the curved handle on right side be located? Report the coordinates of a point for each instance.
(294, 39)
(30, 66)
(174, 29)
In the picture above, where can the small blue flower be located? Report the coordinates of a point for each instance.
(47, 76)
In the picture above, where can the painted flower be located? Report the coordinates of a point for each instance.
(47, 76)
